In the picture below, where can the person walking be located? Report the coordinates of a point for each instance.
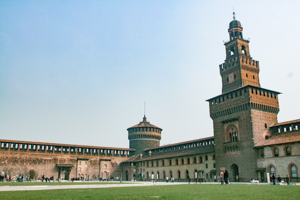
(287, 179)
(221, 177)
(273, 179)
(226, 177)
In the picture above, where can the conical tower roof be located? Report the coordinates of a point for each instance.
(144, 123)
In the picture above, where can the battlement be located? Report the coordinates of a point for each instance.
(245, 98)
(242, 59)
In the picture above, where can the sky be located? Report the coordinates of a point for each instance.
(79, 72)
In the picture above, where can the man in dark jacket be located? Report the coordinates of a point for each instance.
(226, 177)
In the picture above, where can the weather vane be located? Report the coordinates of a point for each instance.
(233, 14)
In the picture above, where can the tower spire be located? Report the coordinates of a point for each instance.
(144, 108)
(144, 119)
(233, 15)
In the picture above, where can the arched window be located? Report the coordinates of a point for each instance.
(162, 163)
(170, 162)
(201, 161)
(206, 157)
(171, 174)
(232, 134)
(288, 151)
(232, 51)
(176, 162)
(293, 171)
(276, 153)
(272, 170)
(178, 174)
(182, 161)
(188, 161)
(244, 50)
(157, 174)
(187, 174)
(195, 160)
(164, 173)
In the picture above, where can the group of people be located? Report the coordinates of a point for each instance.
(273, 179)
(46, 179)
(18, 178)
(224, 177)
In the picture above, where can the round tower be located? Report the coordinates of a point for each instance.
(143, 136)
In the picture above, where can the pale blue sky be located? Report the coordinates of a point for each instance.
(79, 72)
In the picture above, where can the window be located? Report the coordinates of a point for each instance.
(272, 170)
(233, 136)
(176, 162)
(288, 151)
(195, 160)
(206, 166)
(163, 163)
(188, 161)
(293, 171)
(214, 157)
(214, 165)
(182, 161)
(276, 153)
(178, 174)
(201, 161)
(170, 162)
(206, 157)
(260, 153)
(244, 50)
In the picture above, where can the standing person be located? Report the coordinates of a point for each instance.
(287, 179)
(273, 179)
(226, 177)
(279, 179)
(221, 177)
(167, 179)
(152, 177)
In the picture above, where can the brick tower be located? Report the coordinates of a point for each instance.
(243, 112)
(143, 136)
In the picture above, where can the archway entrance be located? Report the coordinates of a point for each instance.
(234, 172)
(126, 175)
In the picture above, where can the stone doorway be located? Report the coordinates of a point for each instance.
(126, 175)
(234, 173)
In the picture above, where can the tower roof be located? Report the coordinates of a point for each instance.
(144, 123)
(234, 23)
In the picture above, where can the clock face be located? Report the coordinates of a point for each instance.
(231, 78)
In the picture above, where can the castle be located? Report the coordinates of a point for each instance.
(248, 141)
